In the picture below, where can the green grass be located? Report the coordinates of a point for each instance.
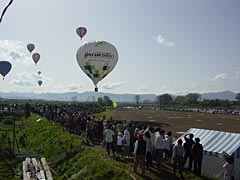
(65, 154)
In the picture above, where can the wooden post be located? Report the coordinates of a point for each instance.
(46, 168)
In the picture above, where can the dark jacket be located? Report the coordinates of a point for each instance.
(197, 152)
(188, 145)
(141, 147)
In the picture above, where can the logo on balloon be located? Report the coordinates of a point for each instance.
(100, 55)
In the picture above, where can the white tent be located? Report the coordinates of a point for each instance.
(214, 144)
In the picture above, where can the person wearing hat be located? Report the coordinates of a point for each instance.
(140, 153)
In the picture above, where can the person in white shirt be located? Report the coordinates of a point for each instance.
(159, 147)
(178, 157)
(108, 137)
(126, 143)
(119, 143)
(167, 146)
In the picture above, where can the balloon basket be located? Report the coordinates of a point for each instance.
(96, 89)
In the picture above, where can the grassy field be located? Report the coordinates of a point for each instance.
(178, 121)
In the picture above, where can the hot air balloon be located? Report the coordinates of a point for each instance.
(40, 82)
(30, 47)
(5, 67)
(81, 31)
(114, 105)
(39, 72)
(97, 59)
(36, 57)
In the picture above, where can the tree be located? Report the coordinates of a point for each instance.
(5, 9)
(181, 100)
(164, 99)
(192, 98)
(101, 101)
(27, 110)
(238, 97)
(137, 98)
(107, 100)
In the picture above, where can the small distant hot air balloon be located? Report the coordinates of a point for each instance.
(5, 67)
(40, 82)
(30, 47)
(81, 31)
(97, 59)
(39, 72)
(36, 57)
(114, 105)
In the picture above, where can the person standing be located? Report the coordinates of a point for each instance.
(126, 142)
(188, 150)
(140, 153)
(159, 146)
(108, 137)
(167, 146)
(178, 158)
(119, 144)
(228, 168)
(147, 138)
(197, 155)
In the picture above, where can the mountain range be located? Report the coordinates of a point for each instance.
(93, 96)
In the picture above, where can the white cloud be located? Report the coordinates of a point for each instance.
(162, 40)
(220, 77)
(143, 88)
(15, 52)
(73, 87)
(237, 75)
(112, 85)
(195, 83)
(26, 79)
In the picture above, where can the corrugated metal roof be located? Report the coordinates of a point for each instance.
(216, 141)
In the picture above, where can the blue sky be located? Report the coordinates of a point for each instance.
(164, 46)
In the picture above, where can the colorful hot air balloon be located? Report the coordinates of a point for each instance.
(40, 82)
(36, 57)
(39, 72)
(5, 67)
(81, 31)
(97, 59)
(30, 47)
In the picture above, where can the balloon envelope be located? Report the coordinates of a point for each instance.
(5, 67)
(114, 105)
(39, 72)
(30, 47)
(36, 57)
(39, 82)
(81, 31)
(97, 59)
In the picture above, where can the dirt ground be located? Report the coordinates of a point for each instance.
(179, 122)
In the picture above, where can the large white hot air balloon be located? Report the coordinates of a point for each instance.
(97, 59)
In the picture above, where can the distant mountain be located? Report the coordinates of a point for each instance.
(93, 96)
(225, 95)
(74, 96)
